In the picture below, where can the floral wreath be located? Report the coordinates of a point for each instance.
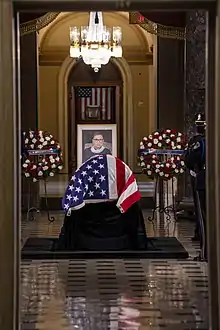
(161, 154)
(41, 155)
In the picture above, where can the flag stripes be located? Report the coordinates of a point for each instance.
(95, 96)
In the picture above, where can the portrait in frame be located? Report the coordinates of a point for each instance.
(94, 140)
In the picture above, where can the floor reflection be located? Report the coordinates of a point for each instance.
(114, 294)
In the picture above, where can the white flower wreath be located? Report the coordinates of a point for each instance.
(168, 166)
(41, 155)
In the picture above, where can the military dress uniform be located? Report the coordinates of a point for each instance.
(192, 166)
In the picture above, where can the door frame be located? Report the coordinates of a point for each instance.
(73, 122)
(127, 87)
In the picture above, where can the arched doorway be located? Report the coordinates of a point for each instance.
(139, 83)
(103, 93)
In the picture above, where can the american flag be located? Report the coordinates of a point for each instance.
(100, 178)
(96, 96)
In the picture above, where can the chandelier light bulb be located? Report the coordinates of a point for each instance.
(95, 43)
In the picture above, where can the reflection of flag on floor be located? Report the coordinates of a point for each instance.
(96, 96)
(102, 177)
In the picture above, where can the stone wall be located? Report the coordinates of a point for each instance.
(195, 52)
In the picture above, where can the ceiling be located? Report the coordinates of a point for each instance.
(25, 17)
(58, 32)
(176, 19)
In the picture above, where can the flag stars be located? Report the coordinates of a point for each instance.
(102, 178)
(69, 197)
(90, 179)
(88, 182)
(66, 206)
(71, 188)
(97, 185)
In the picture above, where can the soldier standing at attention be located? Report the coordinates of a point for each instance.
(195, 162)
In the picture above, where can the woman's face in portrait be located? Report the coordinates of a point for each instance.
(97, 141)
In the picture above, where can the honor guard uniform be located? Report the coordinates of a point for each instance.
(195, 162)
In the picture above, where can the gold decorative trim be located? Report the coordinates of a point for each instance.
(38, 23)
(160, 30)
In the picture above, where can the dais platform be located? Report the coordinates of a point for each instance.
(157, 248)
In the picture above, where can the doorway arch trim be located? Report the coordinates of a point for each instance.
(63, 76)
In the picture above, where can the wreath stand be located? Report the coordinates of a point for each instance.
(32, 210)
(49, 217)
(163, 204)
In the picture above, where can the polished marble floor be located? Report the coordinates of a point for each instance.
(114, 294)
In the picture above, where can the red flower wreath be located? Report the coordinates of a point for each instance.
(40, 166)
(162, 165)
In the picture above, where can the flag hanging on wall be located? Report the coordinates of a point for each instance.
(102, 97)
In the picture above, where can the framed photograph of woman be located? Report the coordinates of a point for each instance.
(95, 139)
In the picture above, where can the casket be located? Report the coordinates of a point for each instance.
(101, 226)
(102, 208)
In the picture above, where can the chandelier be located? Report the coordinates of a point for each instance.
(95, 43)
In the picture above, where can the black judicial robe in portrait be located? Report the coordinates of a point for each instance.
(88, 153)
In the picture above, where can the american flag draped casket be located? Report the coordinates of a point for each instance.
(101, 178)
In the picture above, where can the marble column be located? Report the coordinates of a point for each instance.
(29, 106)
(195, 87)
(194, 68)
(170, 83)
(29, 81)
(9, 176)
(170, 88)
(213, 164)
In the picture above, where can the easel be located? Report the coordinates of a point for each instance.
(32, 210)
(163, 206)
